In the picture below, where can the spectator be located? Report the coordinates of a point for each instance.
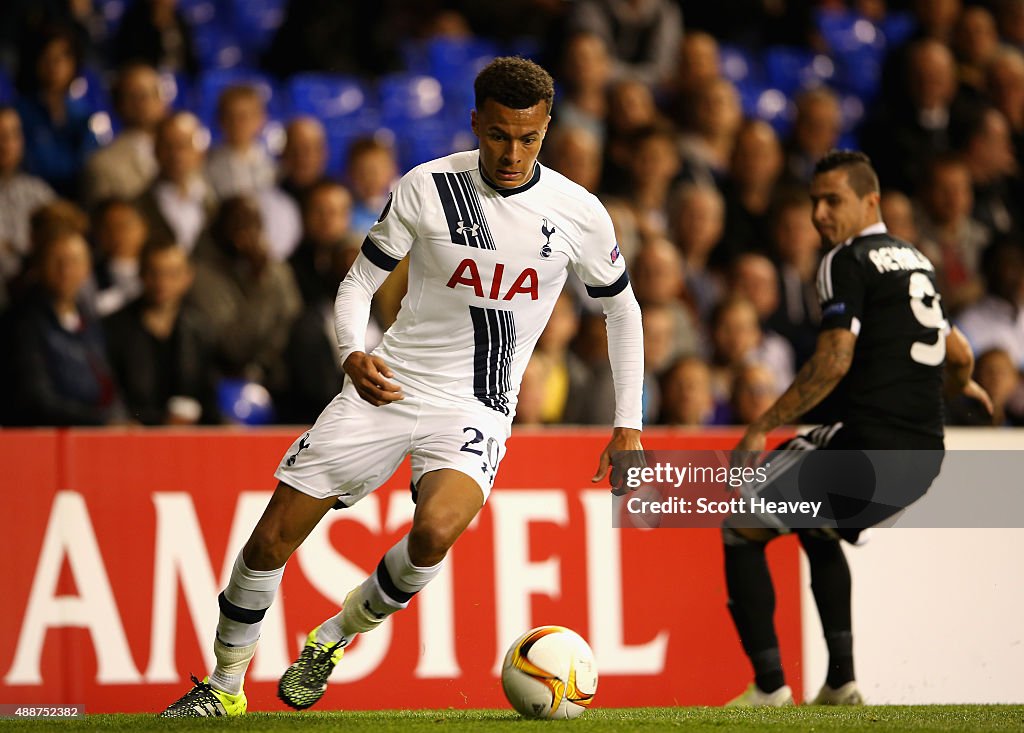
(247, 299)
(20, 195)
(950, 237)
(797, 250)
(995, 371)
(1005, 84)
(686, 397)
(304, 158)
(755, 168)
(753, 391)
(241, 165)
(124, 168)
(566, 383)
(586, 74)
(709, 132)
(698, 223)
(591, 346)
(179, 204)
(119, 234)
(936, 21)
(159, 350)
(987, 148)
(58, 359)
(997, 320)
(58, 139)
(914, 128)
(898, 214)
(153, 32)
(326, 218)
(372, 169)
(1011, 22)
(660, 348)
(737, 340)
(312, 358)
(653, 166)
(642, 35)
(697, 64)
(976, 43)
(532, 392)
(816, 130)
(658, 279)
(575, 153)
(631, 110)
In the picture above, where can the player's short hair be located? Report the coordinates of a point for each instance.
(859, 171)
(514, 82)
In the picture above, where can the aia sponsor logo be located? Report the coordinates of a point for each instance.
(467, 274)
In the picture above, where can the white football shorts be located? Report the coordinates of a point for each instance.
(354, 447)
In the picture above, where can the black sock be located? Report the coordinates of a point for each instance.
(830, 583)
(752, 605)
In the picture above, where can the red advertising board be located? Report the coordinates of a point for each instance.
(118, 543)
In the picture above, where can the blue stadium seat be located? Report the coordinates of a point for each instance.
(738, 65)
(256, 21)
(455, 64)
(898, 28)
(245, 403)
(343, 104)
(90, 89)
(777, 109)
(792, 69)
(199, 12)
(7, 92)
(328, 96)
(217, 47)
(409, 97)
(858, 47)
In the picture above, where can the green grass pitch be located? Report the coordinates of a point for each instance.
(868, 718)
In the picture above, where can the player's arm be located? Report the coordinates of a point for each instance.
(369, 374)
(602, 268)
(626, 354)
(387, 243)
(960, 366)
(815, 380)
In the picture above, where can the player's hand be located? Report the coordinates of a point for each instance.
(369, 375)
(750, 447)
(975, 391)
(623, 439)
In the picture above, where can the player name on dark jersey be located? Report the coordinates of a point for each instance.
(883, 289)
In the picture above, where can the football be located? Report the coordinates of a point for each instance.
(549, 672)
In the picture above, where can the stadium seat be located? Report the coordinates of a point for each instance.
(7, 93)
(344, 105)
(791, 69)
(858, 47)
(409, 97)
(256, 21)
(90, 89)
(199, 12)
(245, 403)
(217, 47)
(897, 28)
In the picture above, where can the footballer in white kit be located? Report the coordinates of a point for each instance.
(490, 236)
(486, 266)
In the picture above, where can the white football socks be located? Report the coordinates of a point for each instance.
(243, 604)
(388, 589)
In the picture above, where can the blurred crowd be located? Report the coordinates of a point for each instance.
(184, 183)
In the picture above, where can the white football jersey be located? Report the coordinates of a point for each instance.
(486, 267)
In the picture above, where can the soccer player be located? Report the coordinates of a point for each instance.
(490, 235)
(884, 340)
